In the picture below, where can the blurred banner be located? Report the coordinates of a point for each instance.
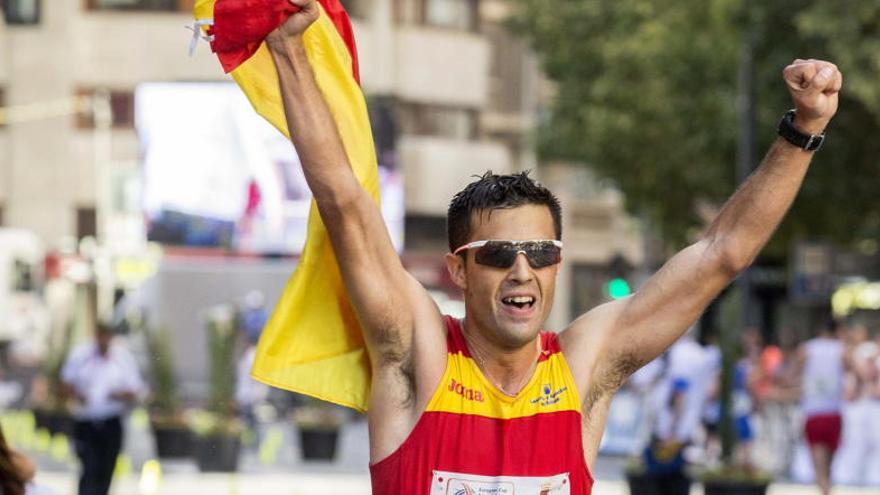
(216, 174)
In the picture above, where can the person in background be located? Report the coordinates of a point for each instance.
(776, 392)
(253, 316)
(17, 472)
(643, 383)
(856, 446)
(822, 364)
(746, 385)
(248, 392)
(872, 469)
(102, 378)
(680, 401)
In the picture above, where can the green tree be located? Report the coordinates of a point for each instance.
(646, 94)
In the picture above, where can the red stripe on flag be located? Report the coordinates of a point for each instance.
(337, 14)
(240, 26)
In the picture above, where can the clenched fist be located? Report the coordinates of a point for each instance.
(297, 23)
(814, 86)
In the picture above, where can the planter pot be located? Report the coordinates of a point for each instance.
(318, 444)
(735, 487)
(641, 484)
(172, 441)
(217, 453)
(653, 484)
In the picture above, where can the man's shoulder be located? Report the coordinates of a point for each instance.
(120, 352)
(80, 351)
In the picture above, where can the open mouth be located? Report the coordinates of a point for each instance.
(520, 302)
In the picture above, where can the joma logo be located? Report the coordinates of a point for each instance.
(467, 393)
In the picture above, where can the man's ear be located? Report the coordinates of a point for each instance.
(457, 270)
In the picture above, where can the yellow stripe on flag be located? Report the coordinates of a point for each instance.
(313, 343)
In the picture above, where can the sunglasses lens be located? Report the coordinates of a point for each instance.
(542, 254)
(501, 254)
(496, 254)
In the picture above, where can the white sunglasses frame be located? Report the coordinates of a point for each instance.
(478, 244)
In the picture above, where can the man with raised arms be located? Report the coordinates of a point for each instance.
(491, 403)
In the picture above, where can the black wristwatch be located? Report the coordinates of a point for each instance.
(807, 142)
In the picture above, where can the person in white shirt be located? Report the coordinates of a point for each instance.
(851, 461)
(872, 469)
(822, 363)
(680, 399)
(103, 379)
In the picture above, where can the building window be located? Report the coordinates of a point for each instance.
(357, 9)
(451, 14)
(586, 287)
(456, 14)
(425, 233)
(436, 120)
(121, 106)
(21, 12)
(86, 222)
(141, 5)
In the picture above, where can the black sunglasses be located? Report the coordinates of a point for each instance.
(502, 254)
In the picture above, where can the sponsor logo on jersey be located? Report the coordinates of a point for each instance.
(549, 396)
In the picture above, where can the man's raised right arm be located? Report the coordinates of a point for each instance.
(381, 291)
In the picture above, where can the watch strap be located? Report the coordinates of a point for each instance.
(788, 131)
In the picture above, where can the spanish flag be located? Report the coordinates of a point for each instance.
(313, 343)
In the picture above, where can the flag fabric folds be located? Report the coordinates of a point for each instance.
(313, 343)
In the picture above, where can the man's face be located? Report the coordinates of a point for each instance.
(489, 291)
(104, 338)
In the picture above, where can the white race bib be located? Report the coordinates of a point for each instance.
(446, 483)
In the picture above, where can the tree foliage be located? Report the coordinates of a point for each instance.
(647, 95)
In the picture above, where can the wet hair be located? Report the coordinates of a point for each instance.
(12, 481)
(492, 192)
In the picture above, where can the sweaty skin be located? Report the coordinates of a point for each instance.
(404, 329)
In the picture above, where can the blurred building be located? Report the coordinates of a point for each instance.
(451, 92)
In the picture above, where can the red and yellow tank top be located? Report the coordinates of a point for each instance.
(473, 439)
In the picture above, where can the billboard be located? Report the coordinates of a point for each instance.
(216, 174)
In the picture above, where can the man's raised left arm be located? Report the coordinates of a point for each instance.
(608, 343)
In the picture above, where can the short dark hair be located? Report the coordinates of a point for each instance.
(104, 327)
(491, 192)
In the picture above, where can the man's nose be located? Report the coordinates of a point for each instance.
(521, 271)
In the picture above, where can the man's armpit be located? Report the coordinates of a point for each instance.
(394, 369)
(609, 379)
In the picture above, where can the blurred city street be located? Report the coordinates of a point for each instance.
(198, 289)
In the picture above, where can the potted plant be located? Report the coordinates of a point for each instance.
(736, 480)
(170, 429)
(732, 477)
(218, 430)
(660, 470)
(318, 423)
